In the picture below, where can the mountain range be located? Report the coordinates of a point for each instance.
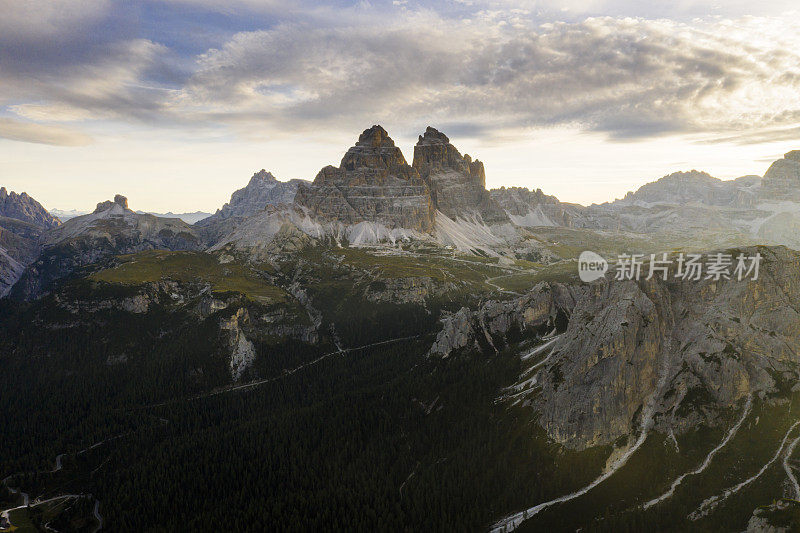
(393, 346)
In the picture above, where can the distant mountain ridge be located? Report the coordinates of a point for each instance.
(190, 218)
(111, 229)
(374, 197)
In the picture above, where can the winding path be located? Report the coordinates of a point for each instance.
(747, 407)
(788, 468)
(709, 504)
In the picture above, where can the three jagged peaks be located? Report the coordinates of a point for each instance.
(374, 183)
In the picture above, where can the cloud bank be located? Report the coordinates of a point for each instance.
(485, 68)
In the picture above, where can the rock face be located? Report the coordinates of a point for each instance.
(23, 207)
(541, 310)
(243, 353)
(10, 271)
(373, 184)
(457, 183)
(782, 180)
(679, 352)
(534, 208)
(689, 349)
(262, 190)
(119, 200)
(22, 221)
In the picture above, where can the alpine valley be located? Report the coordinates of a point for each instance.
(393, 347)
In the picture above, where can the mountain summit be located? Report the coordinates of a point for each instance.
(457, 183)
(373, 183)
(262, 190)
(119, 200)
(23, 207)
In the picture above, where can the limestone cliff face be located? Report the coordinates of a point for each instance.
(457, 183)
(689, 350)
(542, 309)
(782, 180)
(531, 208)
(692, 348)
(373, 183)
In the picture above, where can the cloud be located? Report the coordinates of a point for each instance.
(627, 77)
(487, 68)
(42, 134)
(111, 82)
(33, 20)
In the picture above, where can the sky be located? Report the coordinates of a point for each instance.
(176, 103)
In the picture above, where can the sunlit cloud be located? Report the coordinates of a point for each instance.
(493, 74)
(32, 132)
(627, 77)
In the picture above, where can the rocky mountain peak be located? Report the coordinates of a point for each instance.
(261, 191)
(433, 136)
(375, 137)
(794, 155)
(782, 180)
(434, 153)
(457, 183)
(119, 200)
(374, 149)
(373, 184)
(262, 176)
(23, 207)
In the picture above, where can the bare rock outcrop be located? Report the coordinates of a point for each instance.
(119, 200)
(23, 207)
(693, 348)
(373, 183)
(684, 352)
(243, 352)
(541, 309)
(457, 183)
(782, 180)
(262, 191)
